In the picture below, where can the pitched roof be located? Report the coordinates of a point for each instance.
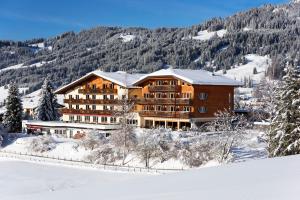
(121, 78)
(195, 77)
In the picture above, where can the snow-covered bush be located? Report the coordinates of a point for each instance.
(102, 155)
(93, 140)
(42, 144)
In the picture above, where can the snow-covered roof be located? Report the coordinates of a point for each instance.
(121, 78)
(195, 77)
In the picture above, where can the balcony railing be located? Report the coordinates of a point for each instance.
(167, 114)
(164, 88)
(91, 101)
(164, 101)
(90, 112)
(98, 91)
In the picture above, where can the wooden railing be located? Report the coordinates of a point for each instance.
(167, 114)
(164, 101)
(164, 88)
(98, 91)
(90, 112)
(91, 101)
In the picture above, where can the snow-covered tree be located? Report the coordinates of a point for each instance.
(147, 146)
(230, 130)
(47, 109)
(13, 115)
(124, 138)
(284, 134)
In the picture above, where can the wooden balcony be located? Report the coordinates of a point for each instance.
(166, 114)
(88, 112)
(164, 88)
(91, 101)
(98, 91)
(164, 101)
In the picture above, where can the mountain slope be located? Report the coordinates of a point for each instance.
(216, 44)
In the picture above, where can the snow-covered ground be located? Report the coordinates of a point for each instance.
(127, 38)
(4, 93)
(268, 179)
(206, 35)
(22, 66)
(29, 101)
(261, 63)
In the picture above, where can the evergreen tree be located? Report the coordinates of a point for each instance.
(284, 134)
(47, 109)
(13, 115)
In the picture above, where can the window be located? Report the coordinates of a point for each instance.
(229, 98)
(93, 97)
(172, 108)
(113, 120)
(111, 86)
(70, 106)
(104, 119)
(94, 86)
(173, 82)
(111, 107)
(95, 119)
(187, 95)
(87, 118)
(87, 107)
(94, 107)
(159, 95)
(158, 108)
(71, 118)
(78, 118)
(105, 107)
(187, 109)
(203, 96)
(111, 96)
(202, 109)
(172, 95)
(70, 97)
(87, 96)
(105, 96)
(77, 96)
(77, 107)
(159, 83)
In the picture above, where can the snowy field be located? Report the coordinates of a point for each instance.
(268, 179)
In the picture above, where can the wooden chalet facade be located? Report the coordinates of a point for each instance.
(175, 98)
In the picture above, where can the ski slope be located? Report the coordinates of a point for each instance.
(261, 63)
(268, 179)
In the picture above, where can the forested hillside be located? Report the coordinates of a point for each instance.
(214, 45)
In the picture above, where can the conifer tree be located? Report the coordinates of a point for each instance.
(284, 134)
(13, 115)
(47, 109)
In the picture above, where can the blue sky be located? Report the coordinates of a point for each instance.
(25, 19)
